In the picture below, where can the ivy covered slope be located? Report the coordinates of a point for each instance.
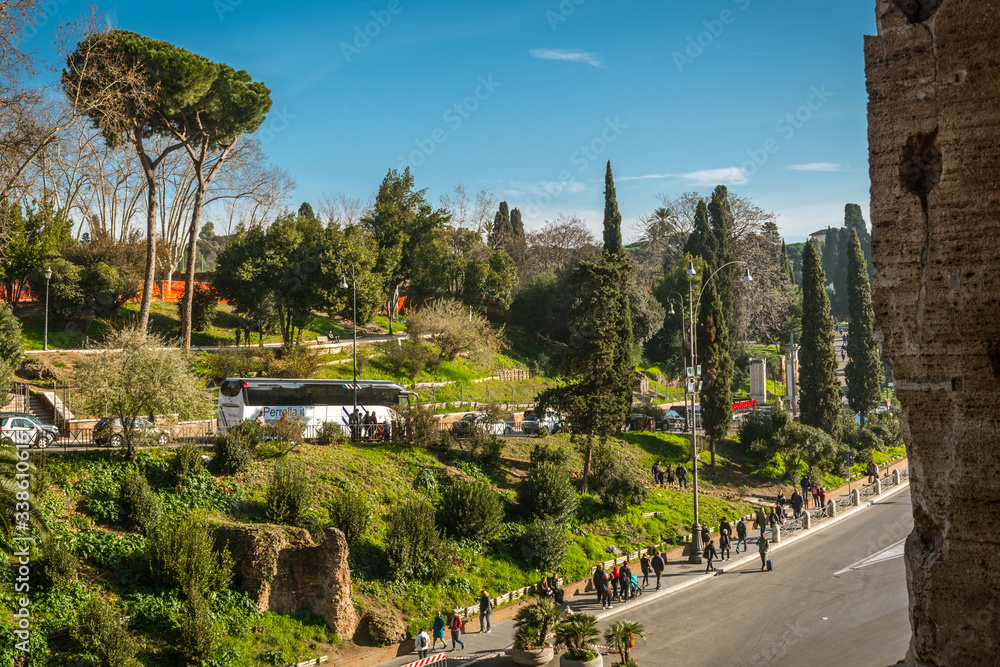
(112, 527)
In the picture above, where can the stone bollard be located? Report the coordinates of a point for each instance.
(775, 534)
(895, 476)
(806, 521)
(878, 487)
(855, 497)
(831, 508)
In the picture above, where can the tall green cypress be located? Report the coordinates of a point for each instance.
(864, 372)
(819, 387)
(502, 228)
(831, 259)
(717, 368)
(854, 219)
(718, 217)
(612, 218)
(786, 264)
(701, 241)
(516, 224)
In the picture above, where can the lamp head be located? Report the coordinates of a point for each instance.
(48, 272)
(691, 271)
(343, 282)
(671, 311)
(746, 275)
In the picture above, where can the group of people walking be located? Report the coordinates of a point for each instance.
(669, 474)
(424, 642)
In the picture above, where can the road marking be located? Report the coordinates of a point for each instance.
(889, 553)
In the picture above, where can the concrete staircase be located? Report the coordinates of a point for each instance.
(42, 410)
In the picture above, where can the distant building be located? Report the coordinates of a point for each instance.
(820, 236)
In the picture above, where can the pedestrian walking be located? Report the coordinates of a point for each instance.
(658, 562)
(741, 535)
(601, 586)
(763, 547)
(822, 497)
(781, 498)
(625, 580)
(455, 625)
(613, 576)
(815, 495)
(805, 484)
(682, 476)
(670, 475)
(724, 546)
(485, 612)
(710, 555)
(705, 535)
(421, 642)
(644, 566)
(760, 520)
(238, 332)
(437, 631)
(796, 504)
(657, 474)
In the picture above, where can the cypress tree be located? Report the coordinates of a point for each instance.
(853, 219)
(612, 218)
(864, 372)
(502, 228)
(701, 241)
(819, 402)
(719, 219)
(516, 224)
(717, 368)
(786, 264)
(831, 258)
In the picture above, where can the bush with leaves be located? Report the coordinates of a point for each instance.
(455, 330)
(548, 493)
(471, 509)
(297, 361)
(408, 357)
(232, 453)
(181, 554)
(330, 433)
(290, 427)
(288, 493)
(100, 632)
(197, 634)
(185, 467)
(544, 544)
(351, 512)
(545, 453)
(577, 633)
(420, 426)
(413, 547)
(240, 362)
(204, 305)
(58, 566)
(622, 490)
(533, 622)
(140, 508)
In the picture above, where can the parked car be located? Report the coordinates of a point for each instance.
(108, 431)
(671, 421)
(534, 424)
(23, 428)
(475, 420)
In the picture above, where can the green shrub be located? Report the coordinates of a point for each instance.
(240, 362)
(622, 490)
(185, 467)
(420, 426)
(471, 510)
(413, 547)
(544, 545)
(251, 432)
(547, 493)
(140, 508)
(101, 633)
(181, 554)
(602, 462)
(351, 512)
(545, 453)
(289, 427)
(204, 305)
(58, 566)
(330, 433)
(232, 453)
(297, 361)
(288, 493)
(426, 480)
(198, 638)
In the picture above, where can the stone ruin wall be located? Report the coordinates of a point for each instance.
(934, 135)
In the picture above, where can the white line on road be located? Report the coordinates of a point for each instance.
(889, 553)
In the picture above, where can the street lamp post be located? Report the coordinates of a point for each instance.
(694, 378)
(45, 336)
(354, 323)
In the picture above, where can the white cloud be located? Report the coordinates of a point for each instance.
(703, 177)
(572, 55)
(817, 166)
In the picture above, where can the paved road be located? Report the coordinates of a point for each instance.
(814, 609)
(800, 614)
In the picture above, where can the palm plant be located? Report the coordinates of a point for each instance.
(577, 632)
(532, 624)
(15, 510)
(621, 637)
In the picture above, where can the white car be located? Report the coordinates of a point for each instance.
(477, 421)
(25, 431)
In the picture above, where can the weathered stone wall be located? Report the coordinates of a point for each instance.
(281, 568)
(934, 134)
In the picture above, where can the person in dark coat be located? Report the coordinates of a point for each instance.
(644, 566)
(682, 477)
(741, 535)
(485, 612)
(625, 580)
(601, 586)
(796, 504)
(724, 546)
(705, 535)
(710, 555)
(658, 562)
(760, 521)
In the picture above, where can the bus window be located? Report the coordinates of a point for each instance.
(279, 395)
(231, 388)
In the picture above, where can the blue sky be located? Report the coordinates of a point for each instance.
(529, 99)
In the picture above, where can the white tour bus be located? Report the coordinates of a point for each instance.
(317, 401)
